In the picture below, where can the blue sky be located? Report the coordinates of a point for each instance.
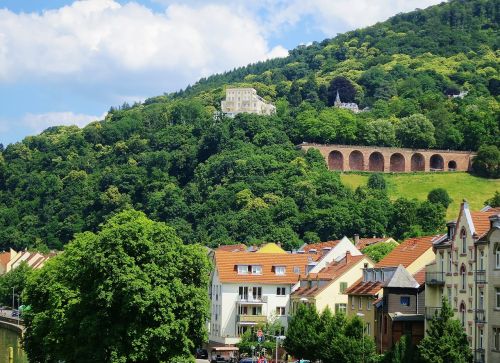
(67, 62)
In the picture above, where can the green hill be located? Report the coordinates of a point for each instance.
(417, 185)
(242, 180)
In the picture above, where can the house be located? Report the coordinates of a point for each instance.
(362, 243)
(12, 259)
(367, 294)
(250, 289)
(346, 105)
(245, 100)
(326, 288)
(466, 271)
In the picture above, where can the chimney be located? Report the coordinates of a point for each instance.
(356, 239)
(495, 221)
(347, 256)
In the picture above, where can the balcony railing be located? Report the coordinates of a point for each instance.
(480, 316)
(481, 276)
(252, 299)
(431, 311)
(252, 319)
(479, 355)
(434, 278)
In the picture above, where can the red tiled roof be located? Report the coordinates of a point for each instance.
(4, 258)
(419, 276)
(232, 248)
(364, 288)
(319, 246)
(227, 262)
(408, 251)
(481, 220)
(365, 242)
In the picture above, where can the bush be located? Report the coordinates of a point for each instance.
(439, 196)
(487, 162)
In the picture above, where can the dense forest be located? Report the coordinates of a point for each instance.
(218, 180)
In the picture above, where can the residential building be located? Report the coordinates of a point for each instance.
(246, 100)
(366, 294)
(362, 243)
(248, 289)
(327, 287)
(12, 259)
(346, 105)
(466, 271)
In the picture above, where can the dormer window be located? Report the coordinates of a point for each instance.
(243, 269)
(279, 270)
(256, 270)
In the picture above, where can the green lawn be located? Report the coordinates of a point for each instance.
(417, 185)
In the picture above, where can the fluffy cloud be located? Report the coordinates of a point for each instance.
(39, 122)
(101, 38)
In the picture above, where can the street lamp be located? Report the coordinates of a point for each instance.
(361, 315)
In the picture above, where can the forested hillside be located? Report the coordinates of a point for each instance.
(242, 180)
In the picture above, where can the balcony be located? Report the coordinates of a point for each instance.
(252, 300)
(434, 278)
(481, 276)
(479, 355)
(431, 311)
(249, 319)
(480, 316)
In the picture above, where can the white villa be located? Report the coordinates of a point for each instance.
(247, 100)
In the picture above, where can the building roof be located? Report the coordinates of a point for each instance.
(271, 248)
(402, 278)
(408, 251)
(419, 276)
(227, 267)
(4, 258)
(329, 273)
(319, 246)
(481, 220)
(365, 242)
(364, 288)
(232, 248)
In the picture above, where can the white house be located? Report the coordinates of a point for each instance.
(246, 100)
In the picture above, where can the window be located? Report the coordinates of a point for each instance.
(404, 300)
(481, 260)
(462, 277)
(463, 237)
(481, 338)
(280, 311)
(242, 269)
(256, 310)
(243, 310)
(352, 302)
(481, 299)
(368, 329)
(441, 262)
(368, 304)
(497, 297)
(296, 270)
(496, 338)
(450, 262)
(450, 296)
(497, 256)
(279, 270)
(462, 314)
(243, 292)
(340, 308)
(257, 292)
(360, 302)
(343, 287)
(256, 270)
(281, 291)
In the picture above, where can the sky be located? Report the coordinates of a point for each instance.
(67, 62)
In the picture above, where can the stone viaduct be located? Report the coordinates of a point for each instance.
(389, 159)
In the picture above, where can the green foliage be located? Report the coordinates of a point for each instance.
(16, 279)
(402, 352)
(494, 201)
(302, 336)
(378, 251)
(376, 181)
(416, 131)
(439, 196)
(445, 340)
(130, 292)
(487, 162)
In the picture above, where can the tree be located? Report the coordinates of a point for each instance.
(380, 132)
(344, 87)
(416, 131)
(16, 279)
(445, 341)
(378, 251)
(302, 337)
(377, 181)
(402, 352)
(430, 216)
(494, 201)
(130, 292)
(439, 196)
(487, 162)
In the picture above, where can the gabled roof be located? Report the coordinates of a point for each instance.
(4, 258)
(481, 220)
(226, 265)
(401, 278)
(271, 248)
(365, 242)
(232, 248)
(408, 251)
(419, 276)
(319, 246)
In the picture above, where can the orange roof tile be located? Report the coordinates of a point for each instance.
(365, 242)
(232, 248)
(320, 245)
(408, 251)
(226, 264)
(419, 276)
(481, 220)
(364, 288)
(4, 258)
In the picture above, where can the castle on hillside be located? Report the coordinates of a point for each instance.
(347, 105)
(246, 100)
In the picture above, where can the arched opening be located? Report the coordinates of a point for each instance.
(336, 160)
(462, 313)
(463, 278)
(376, 162)
(417, 162)
(437, 162)
(452, 165)
(356, 161)
(397, 162)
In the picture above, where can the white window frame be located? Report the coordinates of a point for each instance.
(280, 310)
(280, 270)
(497, 256)
(497, 297)
(242, 269)
(360, 303)
(256, 270)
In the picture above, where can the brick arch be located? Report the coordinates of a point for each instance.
(397, 162)
(356, 160)
(417, 162)
(336, 160)
(436, 162)
(452, 165)
(376, 161)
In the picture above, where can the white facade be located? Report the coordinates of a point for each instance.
(336, 253)
(246, 100)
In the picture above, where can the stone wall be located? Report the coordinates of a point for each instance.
(389, 159)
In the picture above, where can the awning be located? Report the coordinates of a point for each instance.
(225, 349)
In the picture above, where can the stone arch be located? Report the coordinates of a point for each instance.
(336, 160)
(376, 161)
(452, 165)
(436, 162)
(397, 162)
(417, 162)
(356, 160)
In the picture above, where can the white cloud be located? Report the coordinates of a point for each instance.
(98, 39)
(39, 122)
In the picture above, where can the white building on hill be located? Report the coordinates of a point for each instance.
(247, 100)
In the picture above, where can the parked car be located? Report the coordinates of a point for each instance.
(15, 313)
(218, 359)
(201, 353)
